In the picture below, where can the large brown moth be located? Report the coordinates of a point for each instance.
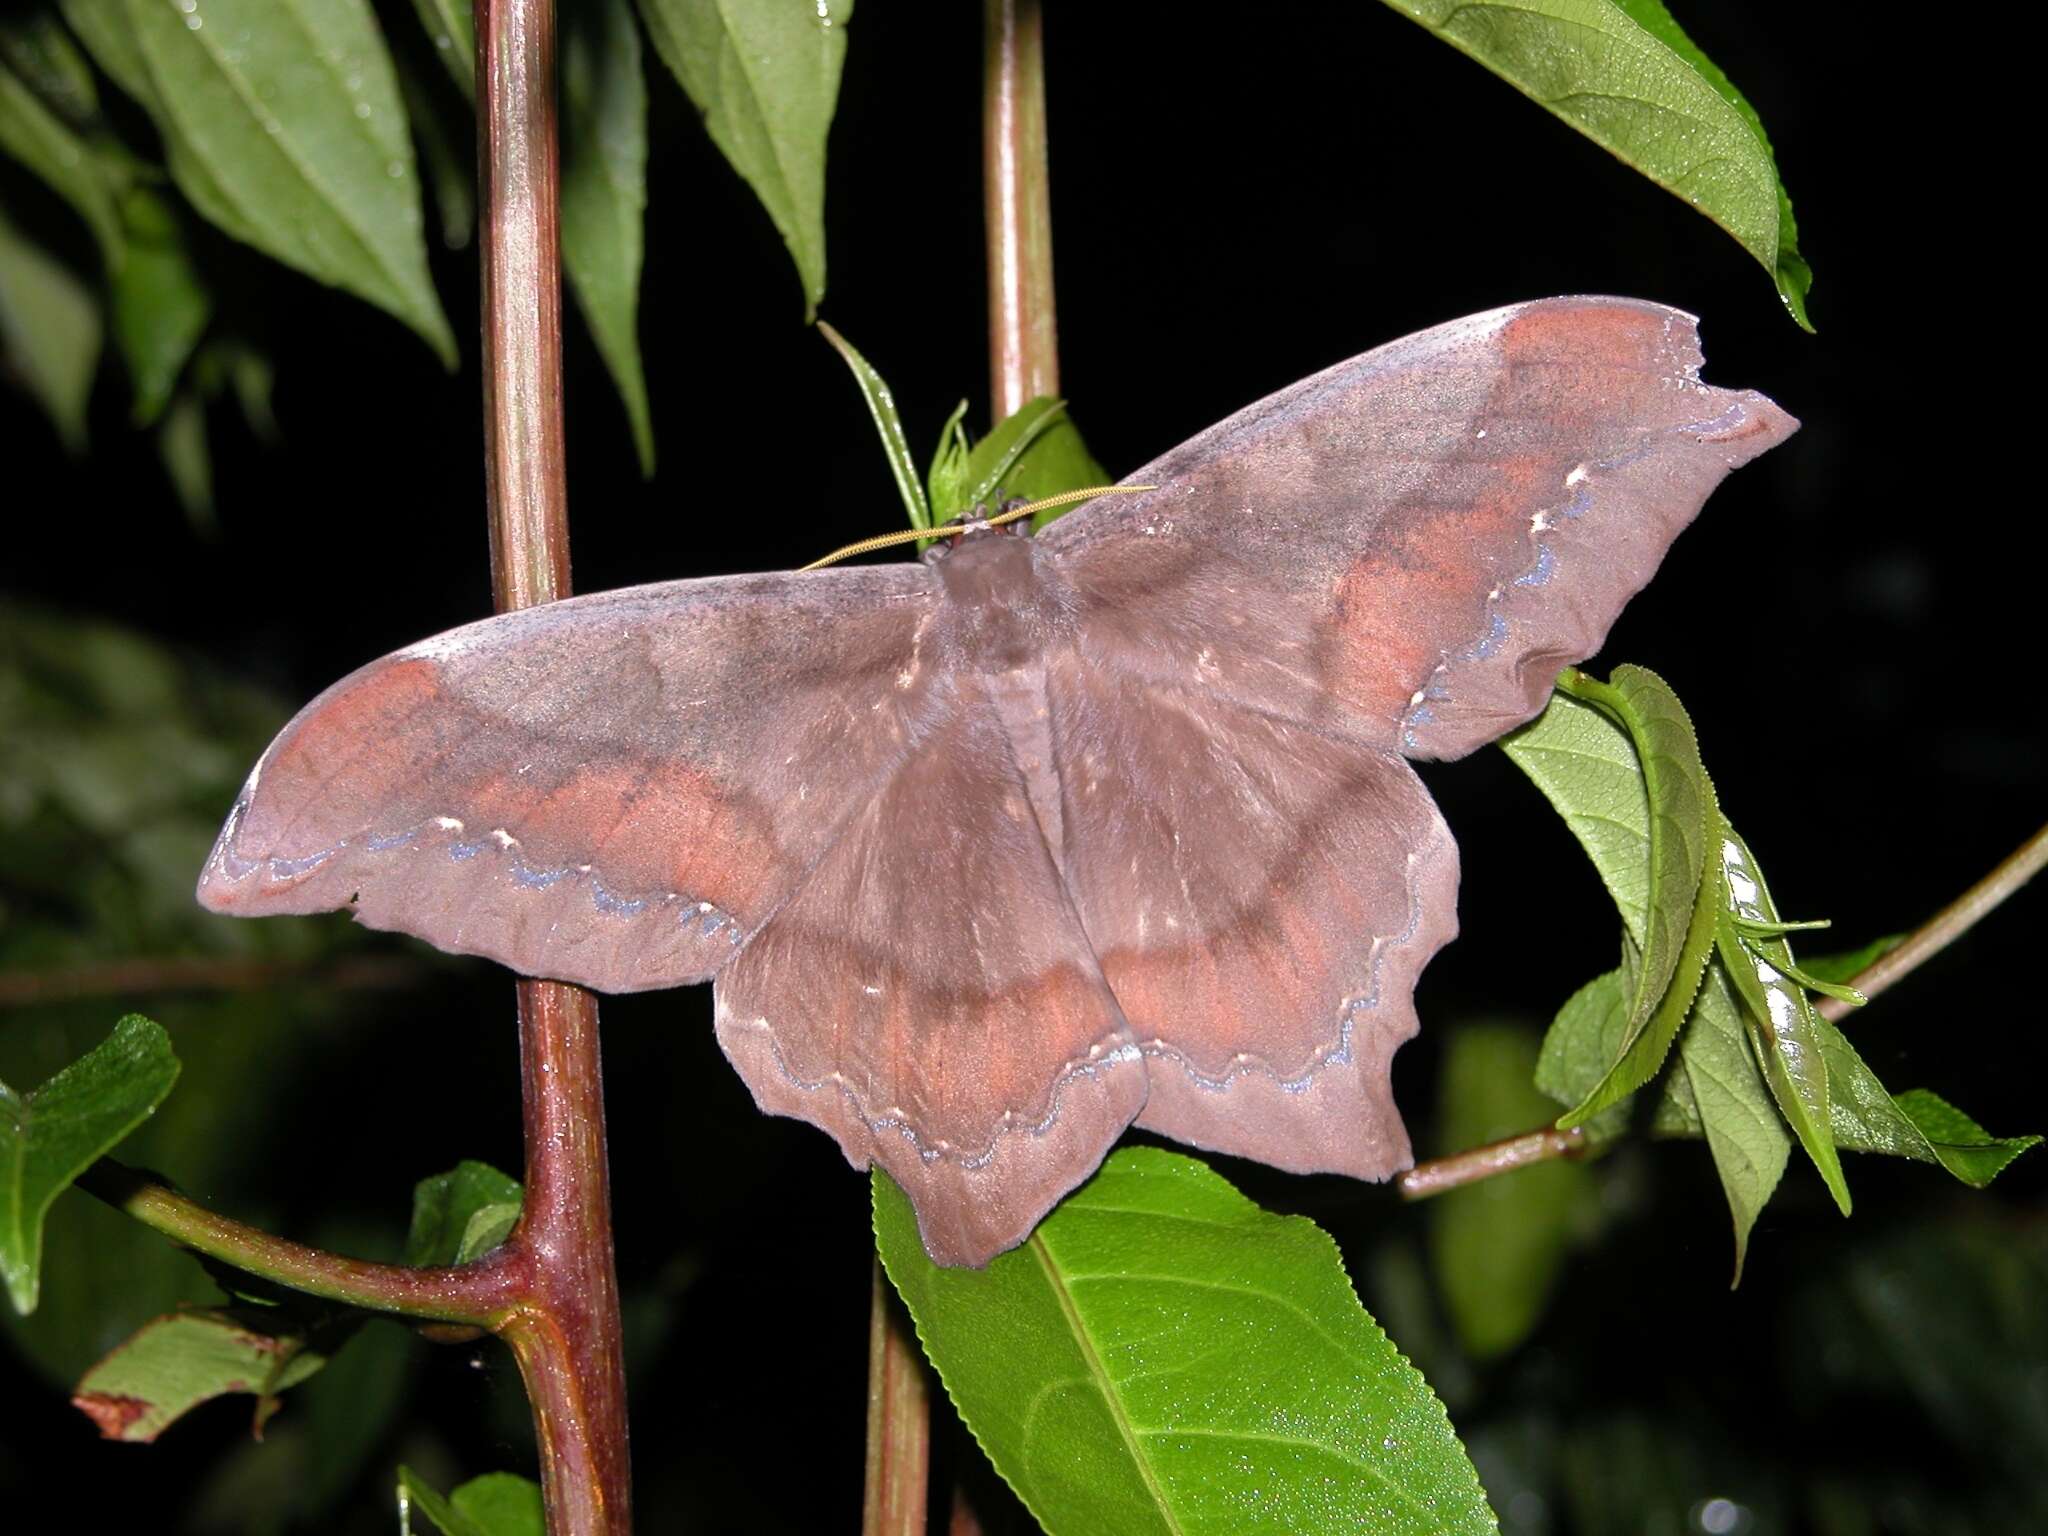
(1141, 779)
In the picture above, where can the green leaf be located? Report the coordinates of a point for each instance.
(282, 123)
(947, 478)
(35, 46)
(172, 1365)
(188, 462)
(889, 423)
(1677, 918)
(461, 1215)
(1719, 1092)
(765, 74)
(1847, 965)
(451, 27)
(1586, 767)
(1916, 1124)
(496, 1504)
(1583, 1042)
(57, 153)
(1035, 452)
(1638, 92)
(1498, 1246)
(48, 1137)
(160, 306)
(50, 332)
(447, 146)
(1785, 1030)
(1793, 276)
(1126, 1368)
(604, 192)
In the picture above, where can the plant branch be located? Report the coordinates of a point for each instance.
(483, 1294)
(567, 1336)
(1023, 335)
(1925, 942)
(1946, 926)
(899, 1420)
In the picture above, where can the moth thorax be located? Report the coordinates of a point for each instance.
(1001, 599)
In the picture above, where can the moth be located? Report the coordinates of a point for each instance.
(990, 856)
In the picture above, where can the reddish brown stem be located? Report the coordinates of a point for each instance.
(1023, 334)
(899, 1420)
(1468, 1167)
(566, 1334)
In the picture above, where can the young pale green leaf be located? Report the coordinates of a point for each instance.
(51, 1135)
(1677, 932)
(1794, 277)
(1717, 1091)
(1123, 1367)
(1785, 1029)
(1624, 87)
(946, 480)
(50, 332)
(283, 123)
(604, 192)
(56, 152)
(172, 1365)
(462, 1214)
(160, 305)
(1584, 1041)
(496, 1504)
(765, 74)
(895, 444)
(1497, 1246)
(1586, 767)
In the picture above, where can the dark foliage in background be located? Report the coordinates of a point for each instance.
(1236, 204)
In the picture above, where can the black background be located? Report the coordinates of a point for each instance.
(1241, 196)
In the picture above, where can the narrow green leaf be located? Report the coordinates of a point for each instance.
(604, 192)
(1585, 1039)
(188, 461)
(1626, 88)
(1498, 1246)
(1721, 1090)
(57, 153)
(451, 28)
(496, 1504)
(1676, 930)
(1035, 452)
(50, 332)
(283, 124)
(1586, 767)
(1786, 1030)
(1960, 1144)
(946, 480)
(48, 1137)
(1793, 276)
(172, 1365)
(765, 74)
(462, 1214)
(895, 444)
(1122, 1367)
(160, 306)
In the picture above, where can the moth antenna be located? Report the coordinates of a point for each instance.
(954, 530)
